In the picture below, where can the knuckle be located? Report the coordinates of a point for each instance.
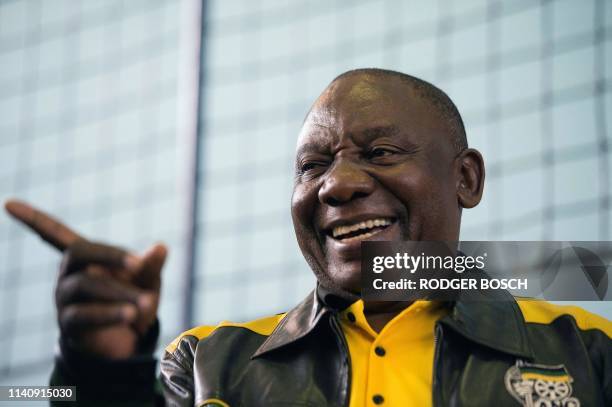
(67, 259)
(112, 253)
(98, 252)
(95, 271)
(71, 288)
(75, 254)
(69, 317)
(78, 246)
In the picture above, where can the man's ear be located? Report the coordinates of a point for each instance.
(471, 176)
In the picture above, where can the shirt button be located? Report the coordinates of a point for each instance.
(378, 399)
(351, 317)
(380, 351)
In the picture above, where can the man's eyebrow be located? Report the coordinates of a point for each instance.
(379, 131)
(307, 148)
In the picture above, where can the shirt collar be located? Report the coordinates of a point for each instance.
(415, 313)
(491, 319)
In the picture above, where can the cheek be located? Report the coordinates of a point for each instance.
(435, 208)
(409, 183)
(303, 204)
(427, 196)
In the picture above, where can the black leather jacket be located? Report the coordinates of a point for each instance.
(482, 349)
(485, 354)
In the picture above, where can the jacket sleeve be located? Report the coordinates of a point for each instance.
(177, 373)
(599, 346)
(105, 382)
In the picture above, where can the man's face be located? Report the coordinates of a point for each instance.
(374, 162)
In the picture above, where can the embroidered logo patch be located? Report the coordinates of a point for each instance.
(535, 385)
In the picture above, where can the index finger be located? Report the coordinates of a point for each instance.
(48, 228)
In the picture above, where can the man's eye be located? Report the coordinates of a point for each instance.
(380, 152)
(309, 166)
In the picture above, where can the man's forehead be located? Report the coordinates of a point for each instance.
(358, 103)
(350, 102)
(325, 128)
(352, 96)
(360, 89)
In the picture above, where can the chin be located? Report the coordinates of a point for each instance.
(347, 277)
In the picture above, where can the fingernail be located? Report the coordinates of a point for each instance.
(156, 248)
(145, 301)
(149, 251)
(128, 313)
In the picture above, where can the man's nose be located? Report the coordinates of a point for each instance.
(344, 182)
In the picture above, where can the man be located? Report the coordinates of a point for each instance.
(381, 156)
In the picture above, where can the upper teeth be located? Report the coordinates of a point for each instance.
(368, 224)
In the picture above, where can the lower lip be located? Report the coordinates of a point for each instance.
(389, 233)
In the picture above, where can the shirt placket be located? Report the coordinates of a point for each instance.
(376, 368)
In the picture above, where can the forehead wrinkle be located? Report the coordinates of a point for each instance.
(316, 136)
(323, 114)
(332, 141)
(310, 146)
(372, 133)
(327, 122)
(318, 140)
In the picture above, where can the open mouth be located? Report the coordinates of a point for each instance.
(360, 230)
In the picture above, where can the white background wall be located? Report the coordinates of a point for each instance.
(89, 131)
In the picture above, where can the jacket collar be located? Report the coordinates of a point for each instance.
(491, 319)
(302, 319)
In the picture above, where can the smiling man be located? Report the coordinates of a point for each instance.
(381, 156)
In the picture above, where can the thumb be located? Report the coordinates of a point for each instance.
(151, 264)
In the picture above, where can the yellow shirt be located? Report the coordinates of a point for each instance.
(393, 367)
